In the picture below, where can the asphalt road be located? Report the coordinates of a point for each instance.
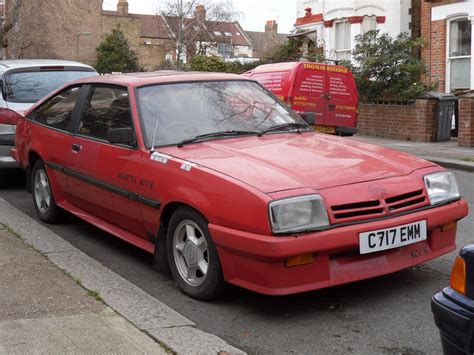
(386, 315)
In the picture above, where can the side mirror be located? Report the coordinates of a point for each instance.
(121, 136)
(309, 117)
(9, 117)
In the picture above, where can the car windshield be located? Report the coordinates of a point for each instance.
(29, 87)
(174, 113)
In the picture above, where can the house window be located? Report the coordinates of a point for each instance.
(224, 50)
(369, 24)
(343, 40)
(459, 54)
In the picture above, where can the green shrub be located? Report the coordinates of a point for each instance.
(114, 54)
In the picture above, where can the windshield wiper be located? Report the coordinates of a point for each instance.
(231, 133)
(292, 125)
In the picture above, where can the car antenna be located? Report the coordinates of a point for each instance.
(152, 150)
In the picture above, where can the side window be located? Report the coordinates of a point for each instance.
(57, 111)
(106, 108)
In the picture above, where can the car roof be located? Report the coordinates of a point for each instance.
(34, 63)
(159, 77)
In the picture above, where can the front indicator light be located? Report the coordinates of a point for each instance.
(458, 276)
(448, 226)
(302, 259)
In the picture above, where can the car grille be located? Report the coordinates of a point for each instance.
(377, 208)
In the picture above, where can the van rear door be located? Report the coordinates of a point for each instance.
(342, 99)
(309, 91)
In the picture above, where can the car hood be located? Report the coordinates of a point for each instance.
(289, 161)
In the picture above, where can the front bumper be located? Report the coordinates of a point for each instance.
(454, 316)
(257, 262)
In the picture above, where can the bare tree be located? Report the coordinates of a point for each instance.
(193, 23)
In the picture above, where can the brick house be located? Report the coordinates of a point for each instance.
(73, 29)
(447, 26)
(334, 25)
(264, 43)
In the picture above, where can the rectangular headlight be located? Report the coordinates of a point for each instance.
(298, 214)
(442, 187)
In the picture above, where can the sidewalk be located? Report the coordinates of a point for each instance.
(447, 154)
(55, 299)
(44, 311)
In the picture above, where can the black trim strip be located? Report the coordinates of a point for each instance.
(103, 185)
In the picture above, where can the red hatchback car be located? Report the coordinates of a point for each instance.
(222, 182)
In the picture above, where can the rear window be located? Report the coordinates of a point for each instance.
(29, 87)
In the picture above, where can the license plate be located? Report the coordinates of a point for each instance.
(325, 129)
(383, 239)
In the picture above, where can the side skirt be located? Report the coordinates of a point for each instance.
(109, 228)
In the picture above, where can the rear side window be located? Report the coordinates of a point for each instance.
(29, 87)
(57, 111)
(106, 108)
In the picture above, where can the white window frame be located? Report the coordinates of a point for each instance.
(365, 20)
(448, 57)
(347, 51)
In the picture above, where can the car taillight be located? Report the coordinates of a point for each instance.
(9, 117)
(458, 276)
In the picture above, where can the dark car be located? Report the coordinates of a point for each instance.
(453, 307)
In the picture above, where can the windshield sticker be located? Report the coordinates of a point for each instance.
(187, 166)
(160, 158)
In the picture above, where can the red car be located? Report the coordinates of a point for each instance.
(222, 182)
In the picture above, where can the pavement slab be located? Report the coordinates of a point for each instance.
(145, 313)
(44, 311)
(448, 154)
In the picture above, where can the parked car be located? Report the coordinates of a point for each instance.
(453, 307)
(22, 83)
(327, 90)
(223, 182)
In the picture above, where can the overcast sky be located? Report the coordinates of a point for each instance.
(253, 13)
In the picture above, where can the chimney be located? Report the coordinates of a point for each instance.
(200, 13)
(271, 26)
(122, 7)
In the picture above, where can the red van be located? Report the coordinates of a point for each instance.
(327, 90)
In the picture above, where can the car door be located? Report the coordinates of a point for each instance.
(102, 176)
(50, 134)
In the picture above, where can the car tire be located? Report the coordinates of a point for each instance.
(43, 200)
(192, 256)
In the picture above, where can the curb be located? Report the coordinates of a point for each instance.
(145, 312)
(452, 164)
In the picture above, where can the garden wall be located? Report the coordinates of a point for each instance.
(466, 121)
(405, 121)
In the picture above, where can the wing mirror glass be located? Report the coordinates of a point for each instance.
(121, 136)
(309, 117)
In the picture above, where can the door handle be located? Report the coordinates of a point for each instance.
(76, 148)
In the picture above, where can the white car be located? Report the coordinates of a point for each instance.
(24, 82)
